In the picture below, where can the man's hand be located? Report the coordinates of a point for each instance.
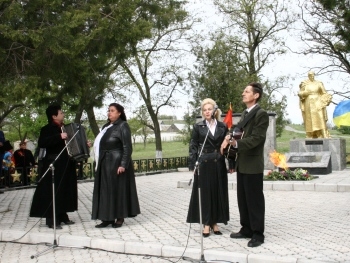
(64, 135)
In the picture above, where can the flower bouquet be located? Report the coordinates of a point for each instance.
(284, 173)
(287, 175)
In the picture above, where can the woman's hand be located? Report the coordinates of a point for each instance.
(120, 170)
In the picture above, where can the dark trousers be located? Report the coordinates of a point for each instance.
(251, 205)
(1, 158)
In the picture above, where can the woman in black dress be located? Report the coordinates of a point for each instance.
(115, 194)
(212, 171)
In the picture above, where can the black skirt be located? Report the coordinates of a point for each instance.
(213, 182)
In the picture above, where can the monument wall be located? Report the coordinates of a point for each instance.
(336, 146)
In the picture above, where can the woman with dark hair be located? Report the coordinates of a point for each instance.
(52, 139)
(115, 194)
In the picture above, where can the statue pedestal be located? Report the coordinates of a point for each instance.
(313, 162)
(336, 147)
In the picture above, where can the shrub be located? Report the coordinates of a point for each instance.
(287, 175)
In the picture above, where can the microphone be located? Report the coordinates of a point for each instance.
(214, 111)
(189, 183)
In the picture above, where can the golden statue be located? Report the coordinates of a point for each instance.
(313, 102)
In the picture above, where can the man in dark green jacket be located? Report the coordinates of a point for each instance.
(250, 167)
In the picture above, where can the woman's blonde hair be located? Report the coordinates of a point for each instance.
(213, 103)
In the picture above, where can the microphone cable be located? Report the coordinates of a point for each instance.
(47, 209)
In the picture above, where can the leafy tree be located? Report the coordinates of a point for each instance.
(27, 123)
(154, 69)
(66, 51)
(248, 42)
(326, 33)
(187, 132)
(10, 99)
(135, 128)
(270, 102)
(142, 116)
(340, 8)
(255, 25)
(219, 75)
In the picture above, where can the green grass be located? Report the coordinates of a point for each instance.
(170, 149)
(283, 141)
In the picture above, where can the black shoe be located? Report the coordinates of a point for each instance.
(254, 243)
(118, 224)
(57, 227)
(68, 222)
(237, 235)
(215, 232)
(104, 224)
(206, 234)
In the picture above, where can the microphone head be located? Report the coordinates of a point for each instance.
(214, 111)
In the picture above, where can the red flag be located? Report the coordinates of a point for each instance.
(228, 117)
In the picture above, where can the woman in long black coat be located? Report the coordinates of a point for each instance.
(212, 171)
(53, 140)
(115, 194)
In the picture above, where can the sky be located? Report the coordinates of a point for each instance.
(292, 65)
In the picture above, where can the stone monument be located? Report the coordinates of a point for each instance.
(318, 153)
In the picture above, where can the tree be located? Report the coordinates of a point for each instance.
(66, 51)
(155, 69)
(218, 74)
(25, 123)
(142, 116)
(255, 25)
(270, 102)
(340, 8)
(326, 32)
(248, 43)
(58, 51)
(187, 131)
(135, 128)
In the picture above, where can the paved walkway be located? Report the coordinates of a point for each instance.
(304, 224)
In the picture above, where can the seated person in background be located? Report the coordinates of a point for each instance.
(24, 160)
(7, 168)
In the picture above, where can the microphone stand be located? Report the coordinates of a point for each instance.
(52, 168)
(202, 259)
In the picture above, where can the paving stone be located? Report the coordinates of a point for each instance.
(303, 223)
